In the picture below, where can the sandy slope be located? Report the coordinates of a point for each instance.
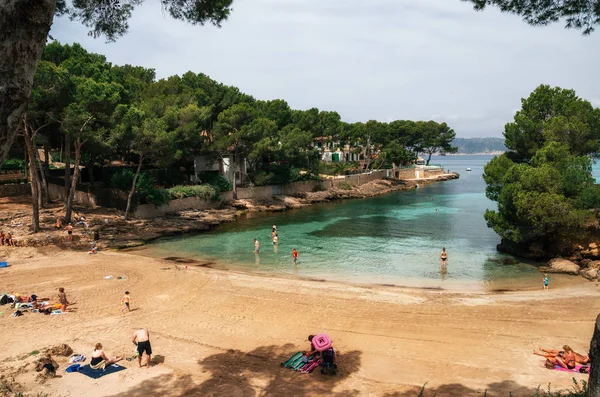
(219, 333)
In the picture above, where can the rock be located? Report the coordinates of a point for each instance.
(585, 262)
(590, 274)
(593, 265)
(576, 257)
(561, 265)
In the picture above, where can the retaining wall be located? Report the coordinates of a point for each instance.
(15, 189)
(148, 211)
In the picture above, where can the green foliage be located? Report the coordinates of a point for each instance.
(218, 181)
(553, 114)
(202, 191)
(110, 19)
(145, 187)
(576, 14)
(543, 184)
(13, 164)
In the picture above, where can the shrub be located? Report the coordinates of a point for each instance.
(202, 191)
(346, 186)
(216, 180)
(13, 164)
(155, 196)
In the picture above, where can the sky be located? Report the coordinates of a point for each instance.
(378, 59)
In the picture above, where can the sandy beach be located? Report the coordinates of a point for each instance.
(223, 333)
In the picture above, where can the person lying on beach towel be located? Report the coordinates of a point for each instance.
(566, 358)
(582, 359)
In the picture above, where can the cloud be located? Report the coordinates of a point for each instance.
(381, 59)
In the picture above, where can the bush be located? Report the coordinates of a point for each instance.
(13, 164)
(55, 157)
(206, 192)
(216, 180)
(346, 186)
(155, 196)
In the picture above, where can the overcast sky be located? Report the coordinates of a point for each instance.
(375, 59)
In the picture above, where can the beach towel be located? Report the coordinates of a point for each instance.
(97, 373)
(576, 369)
(77, 358)
(310, 366)
(3, 264)
(299, 362)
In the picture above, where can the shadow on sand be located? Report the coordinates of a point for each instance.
(250, 374)
(497, 389)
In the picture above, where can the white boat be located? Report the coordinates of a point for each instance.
(468, 169)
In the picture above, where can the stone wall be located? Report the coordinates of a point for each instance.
(15, 189)
(57, 192)
(148, 211)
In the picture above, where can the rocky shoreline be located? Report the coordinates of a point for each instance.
(116, 233)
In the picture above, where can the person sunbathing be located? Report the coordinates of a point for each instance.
(99, 359)
(566, 358)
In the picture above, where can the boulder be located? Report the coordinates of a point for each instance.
(593, 265)
(590, 274)
(585, 262)
(561, 265)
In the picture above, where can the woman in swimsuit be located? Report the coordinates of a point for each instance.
(443, 256)
(99, 358)
(566, 358)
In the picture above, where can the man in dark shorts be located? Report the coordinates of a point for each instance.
(141, 338)
(69, 232)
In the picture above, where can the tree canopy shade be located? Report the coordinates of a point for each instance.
(24, 27)
(577, 14)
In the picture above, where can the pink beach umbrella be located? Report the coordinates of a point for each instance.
(321, 342)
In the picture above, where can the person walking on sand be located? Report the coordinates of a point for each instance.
(295, 255)
(62, 299)
(141, 338)
(125, 302)
(546, 281)
(69, 232)
(444, 256)
(256, 246)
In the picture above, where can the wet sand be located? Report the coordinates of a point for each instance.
(223, 333)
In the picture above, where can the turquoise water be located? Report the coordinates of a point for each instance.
(391, 239)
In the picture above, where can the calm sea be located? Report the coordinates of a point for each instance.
(391, 239)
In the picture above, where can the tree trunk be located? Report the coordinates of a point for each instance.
(74, 179)
(24, 27)
(45, 172)
(132, 191)
(428, 159)
(594, 380)
(43, 183)
(33, 178)
(67, 167)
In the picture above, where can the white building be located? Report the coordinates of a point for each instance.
(223, 166)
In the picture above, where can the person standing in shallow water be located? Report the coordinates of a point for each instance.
(295, 255)
(256, 246)
(444, 256)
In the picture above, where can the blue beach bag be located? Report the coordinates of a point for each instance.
(3, 264)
